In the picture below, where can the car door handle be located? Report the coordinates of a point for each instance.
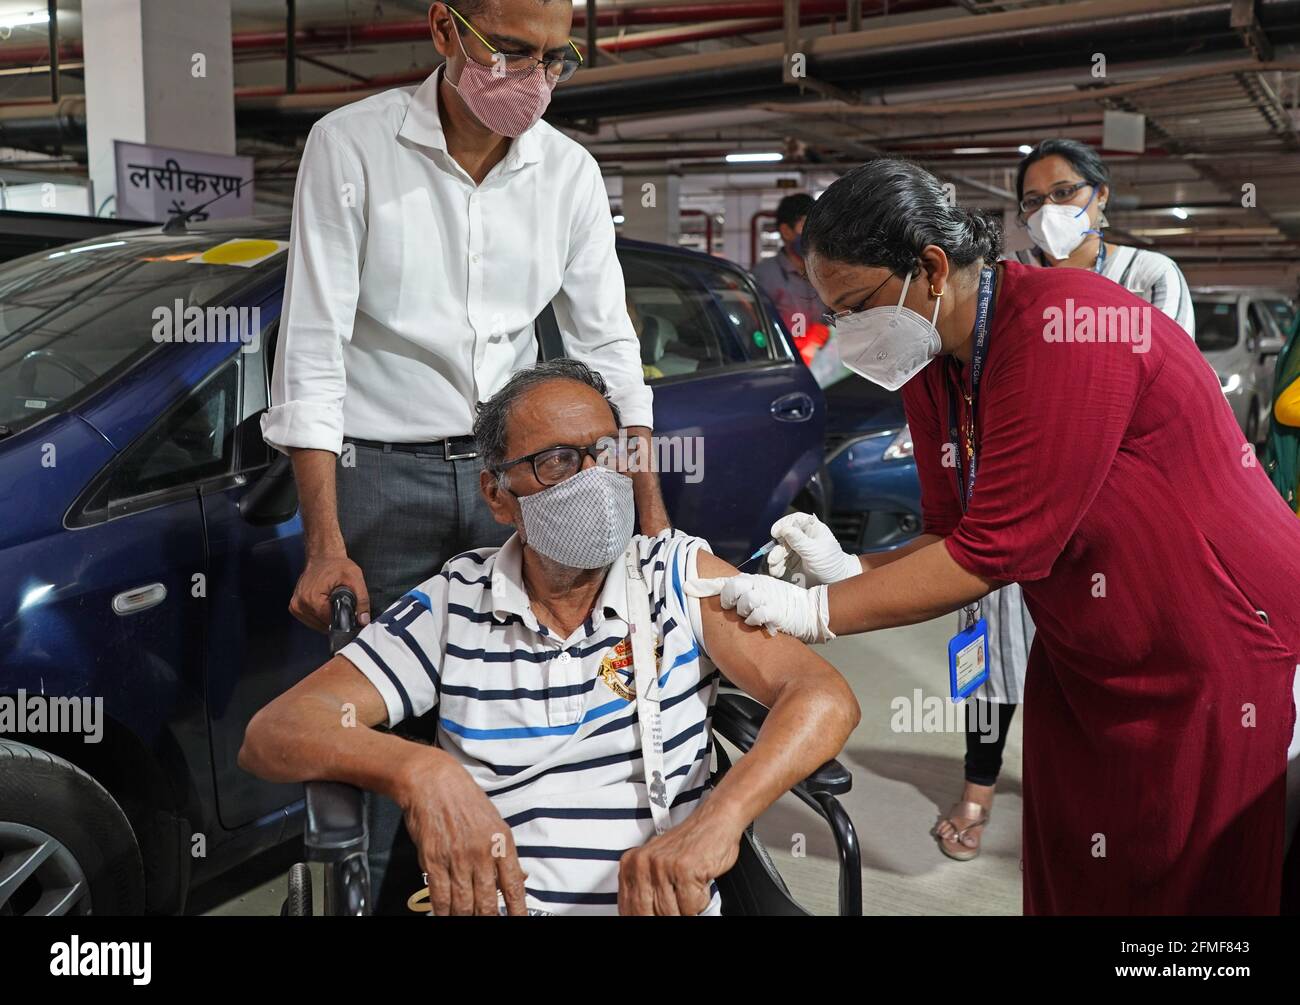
(796, 407)
(140, 599)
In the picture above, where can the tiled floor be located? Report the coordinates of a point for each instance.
(901, 781)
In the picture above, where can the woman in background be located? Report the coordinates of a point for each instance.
(1063, 187)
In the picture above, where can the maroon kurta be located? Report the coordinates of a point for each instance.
(1117, 488)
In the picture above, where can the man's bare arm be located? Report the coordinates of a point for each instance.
(321, 729)
(811, 713)
(812, 709)
(653, 515)
(328, 565)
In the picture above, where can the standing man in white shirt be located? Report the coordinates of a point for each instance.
(431, 226)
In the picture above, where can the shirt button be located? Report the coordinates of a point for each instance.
(474, 259)
(565, 657)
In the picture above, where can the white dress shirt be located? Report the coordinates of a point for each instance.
(411, 291)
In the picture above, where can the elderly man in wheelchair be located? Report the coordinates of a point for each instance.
(576, 685)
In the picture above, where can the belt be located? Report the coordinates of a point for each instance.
(453, 448)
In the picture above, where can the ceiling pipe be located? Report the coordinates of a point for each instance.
(343, 37)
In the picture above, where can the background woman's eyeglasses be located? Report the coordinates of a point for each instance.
(1059, 195)
(520, 64)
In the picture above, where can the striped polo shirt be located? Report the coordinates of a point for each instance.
(547, 726)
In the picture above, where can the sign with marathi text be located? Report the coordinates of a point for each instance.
(157, 183)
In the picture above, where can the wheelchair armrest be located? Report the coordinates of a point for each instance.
(336, 821)
(738, 718)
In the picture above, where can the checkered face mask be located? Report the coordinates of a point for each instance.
(584, 522)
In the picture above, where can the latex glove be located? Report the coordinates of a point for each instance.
(803, 536)
(778, 606)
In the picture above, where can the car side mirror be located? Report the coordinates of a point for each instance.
(273, 498)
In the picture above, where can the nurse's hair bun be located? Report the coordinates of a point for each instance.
(884, 213)
(986, 234)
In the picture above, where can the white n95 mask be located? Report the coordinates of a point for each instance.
(584, 522)
(888, 345)
(1058, 230)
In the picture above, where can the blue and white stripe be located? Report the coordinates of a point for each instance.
(529, 717)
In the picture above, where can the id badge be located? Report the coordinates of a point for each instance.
(968, 659)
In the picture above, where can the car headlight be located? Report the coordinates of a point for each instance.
(900, 447)
(1231, 384)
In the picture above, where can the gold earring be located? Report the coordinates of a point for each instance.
(933, 293)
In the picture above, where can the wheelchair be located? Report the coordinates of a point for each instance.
(336, 834)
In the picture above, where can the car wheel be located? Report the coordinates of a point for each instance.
(66, 847)
(1252, 423)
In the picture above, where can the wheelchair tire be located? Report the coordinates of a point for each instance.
(45, 800)
(298, 903)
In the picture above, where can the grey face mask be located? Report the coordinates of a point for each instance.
(584, 522)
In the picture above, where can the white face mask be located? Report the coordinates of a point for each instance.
(584, 522)
(1058, 230)
(888, 345)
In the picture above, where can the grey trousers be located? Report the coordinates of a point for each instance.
(402, 516)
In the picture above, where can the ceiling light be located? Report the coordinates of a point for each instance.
(19, 20)
(1025, 148)
(1179, 212)
(755, 158)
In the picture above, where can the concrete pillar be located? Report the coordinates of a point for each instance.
(159, 72)
(652, 208)
(739, 207)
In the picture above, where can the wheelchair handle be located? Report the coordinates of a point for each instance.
(343, 617)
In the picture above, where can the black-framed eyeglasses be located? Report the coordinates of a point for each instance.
(1060, 195)
(554, 464)
(829, 318)
(520, 64)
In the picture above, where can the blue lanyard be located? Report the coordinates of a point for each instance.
(983, 322)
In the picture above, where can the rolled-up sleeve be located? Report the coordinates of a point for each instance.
(592, 306)
(327, 242)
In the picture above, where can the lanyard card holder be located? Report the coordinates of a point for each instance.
(968, 656)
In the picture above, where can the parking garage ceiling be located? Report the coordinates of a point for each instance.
(958, 85)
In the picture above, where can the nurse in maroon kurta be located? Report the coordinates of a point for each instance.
(1161, 569)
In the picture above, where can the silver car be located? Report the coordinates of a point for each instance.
(1240, 332)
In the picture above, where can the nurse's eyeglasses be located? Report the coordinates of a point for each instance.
(1060, 195)
(520, 64)
(554, 464)
(829, 319)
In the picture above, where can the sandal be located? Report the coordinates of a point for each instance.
(953, 846)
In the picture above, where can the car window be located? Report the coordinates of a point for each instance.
(196, 441)
(691, 317)
(73, 318)
(741, 314)
(1283, 313)
(1216, 324)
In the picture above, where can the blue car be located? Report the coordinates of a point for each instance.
(149, 539)
(874, 489)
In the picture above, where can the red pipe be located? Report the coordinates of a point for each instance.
(418, 31)
(655, 40)
(753, 234)
(708, 226)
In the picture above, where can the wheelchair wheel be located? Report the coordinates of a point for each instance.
(298, 903)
